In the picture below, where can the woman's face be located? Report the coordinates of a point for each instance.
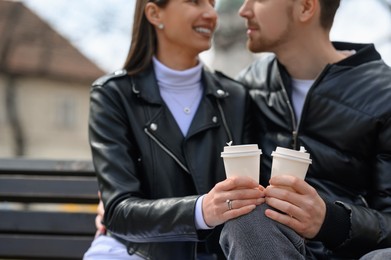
(188, 26)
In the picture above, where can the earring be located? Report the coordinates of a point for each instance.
(160, 26)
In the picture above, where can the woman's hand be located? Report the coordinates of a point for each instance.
(231, 198)
(304, 209)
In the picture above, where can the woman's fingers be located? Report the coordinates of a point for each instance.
(237, 195)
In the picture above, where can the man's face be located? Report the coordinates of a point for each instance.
(270, 23)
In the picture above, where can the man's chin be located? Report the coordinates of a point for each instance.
(252, 47)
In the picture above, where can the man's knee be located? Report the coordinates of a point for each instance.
(379, 254)
(249, 232)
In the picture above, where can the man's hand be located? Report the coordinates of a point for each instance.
(304, 209)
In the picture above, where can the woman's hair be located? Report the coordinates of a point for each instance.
(328, 11)
(144, 42)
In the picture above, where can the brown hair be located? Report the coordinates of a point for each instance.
(144, 44)
(328, 11)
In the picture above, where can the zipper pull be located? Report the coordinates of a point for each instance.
(294, 139)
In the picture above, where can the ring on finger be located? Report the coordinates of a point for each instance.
(229, 204)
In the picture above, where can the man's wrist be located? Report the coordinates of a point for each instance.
(336, 226)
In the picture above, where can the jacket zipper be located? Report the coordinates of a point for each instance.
(167, 151)
(224, 121)
(295, 125)
(292, 114)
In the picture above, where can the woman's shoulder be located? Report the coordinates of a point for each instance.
(114, 76)
(223, 78)
(229, 84)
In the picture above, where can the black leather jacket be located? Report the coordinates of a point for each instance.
(346, 127)
(150, 176)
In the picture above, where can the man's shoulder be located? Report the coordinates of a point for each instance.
(259, 70)
(261, 62)
(221, 78)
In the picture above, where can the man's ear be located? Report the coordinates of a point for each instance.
(153, 13)
(308, 8)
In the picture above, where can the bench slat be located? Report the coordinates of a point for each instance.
(45, 166)
(43, 247)
(42, 222)
(30, 187)
(48, 189)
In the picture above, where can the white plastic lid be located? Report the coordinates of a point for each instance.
(300, 155)
(241, 154)
(241, 148)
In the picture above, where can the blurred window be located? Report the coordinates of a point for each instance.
(66, 113)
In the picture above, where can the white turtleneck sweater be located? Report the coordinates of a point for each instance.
(181, 91)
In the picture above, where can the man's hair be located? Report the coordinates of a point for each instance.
(328, 11)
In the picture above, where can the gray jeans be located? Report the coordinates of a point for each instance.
(255, 236)
(241, 239)
(381, 254)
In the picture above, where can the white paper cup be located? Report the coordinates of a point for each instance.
(290, 162)
(242, 160)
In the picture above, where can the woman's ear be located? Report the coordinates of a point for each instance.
(153, 14)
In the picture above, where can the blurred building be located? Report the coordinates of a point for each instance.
(44, 89)
(230, 54)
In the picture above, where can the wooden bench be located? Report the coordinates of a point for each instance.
(47, 208)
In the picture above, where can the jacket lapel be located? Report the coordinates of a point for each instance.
(160, 125)
(208, 115)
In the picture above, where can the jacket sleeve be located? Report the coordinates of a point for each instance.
(371, 226)
(370, 230)
(128, 214)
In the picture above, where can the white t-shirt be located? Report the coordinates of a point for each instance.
(300, 89)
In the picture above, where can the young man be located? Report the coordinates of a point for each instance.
(333, 99)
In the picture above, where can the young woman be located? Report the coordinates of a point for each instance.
(157, 129)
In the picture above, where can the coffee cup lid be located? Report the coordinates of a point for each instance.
(241, 148)
(301, 155)
(241, 154)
